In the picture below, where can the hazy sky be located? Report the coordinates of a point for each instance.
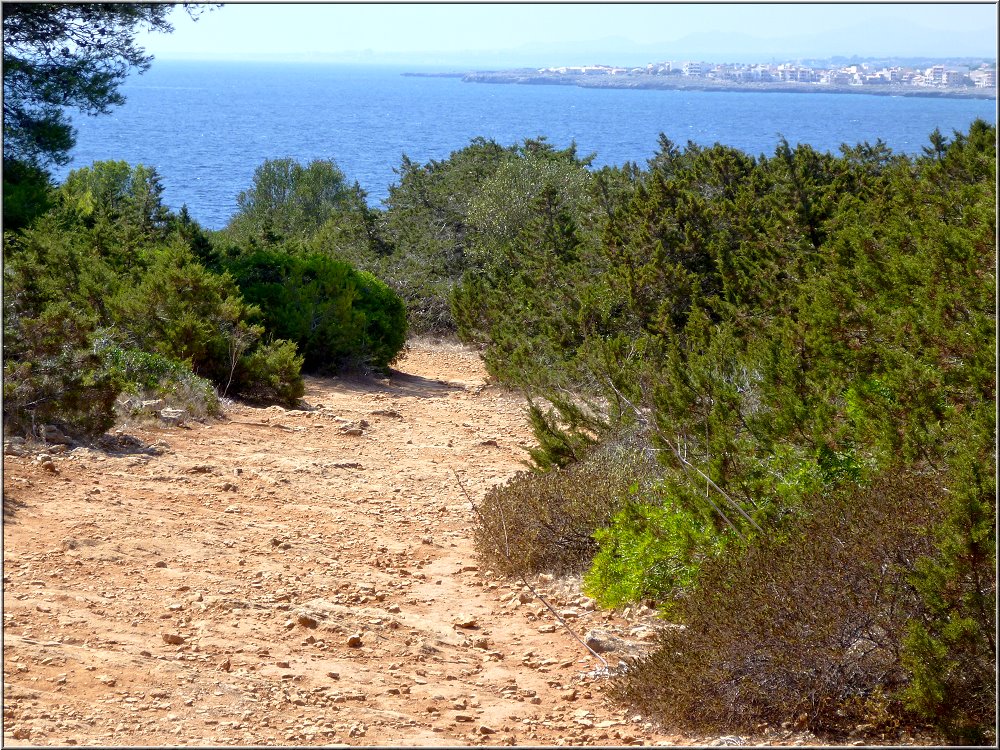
(404, 32)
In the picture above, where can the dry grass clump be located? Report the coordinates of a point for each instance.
(443, 343)
(544, 522)
(806, 627)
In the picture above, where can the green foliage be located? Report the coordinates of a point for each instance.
(51, 263)
(289, 201)
(780, 328)
(180, 310)
(427, 227)
(336, 315)
(120, 206)
(950, 651)
(270, 374)
(385, 321)
(126, 267)
(53, 376)
(27, 194)
(648, 552)
(447, 217)
(558, 445)
(506, 203)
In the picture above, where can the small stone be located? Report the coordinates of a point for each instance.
(483, 729)
(52, 434)
(173, 639)
(14, 447)
(354, 641)
(466, 621)
(464, 717)
(547, 628)
(333, 675)
(282, 664)
(159, 564)
(306, 620)
(153, 405)
(601, 641)
(569, 695)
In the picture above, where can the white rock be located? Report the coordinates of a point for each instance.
(173, 416)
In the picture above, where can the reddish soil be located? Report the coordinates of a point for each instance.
(295, 577)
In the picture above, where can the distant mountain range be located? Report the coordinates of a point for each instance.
(866, 41)
(869, 40)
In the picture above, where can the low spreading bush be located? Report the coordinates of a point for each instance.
(152, 376)
(805, 626)
(270, 374)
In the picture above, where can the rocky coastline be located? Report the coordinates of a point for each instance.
(678, 83)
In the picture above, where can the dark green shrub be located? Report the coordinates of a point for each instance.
(27, 194)
(545, 522)
(384, 318)
(803, 626)
(180, 310)
(337, 316)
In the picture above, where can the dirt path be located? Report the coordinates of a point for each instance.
(292, 577)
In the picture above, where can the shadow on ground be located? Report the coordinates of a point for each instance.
(11, 505)
(398, 383)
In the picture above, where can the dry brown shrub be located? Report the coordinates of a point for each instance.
(544, 522)
(807, 627)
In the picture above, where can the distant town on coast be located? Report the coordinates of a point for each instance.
(973, 78)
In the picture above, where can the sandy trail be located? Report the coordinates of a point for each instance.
(293, 577)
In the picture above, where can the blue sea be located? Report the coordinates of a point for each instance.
(207, 126)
